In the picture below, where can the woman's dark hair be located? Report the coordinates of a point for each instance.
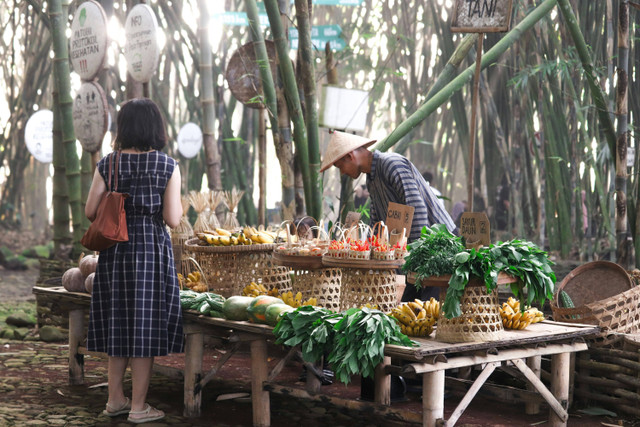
(140, 125)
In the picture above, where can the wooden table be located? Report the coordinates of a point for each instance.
(522, 349)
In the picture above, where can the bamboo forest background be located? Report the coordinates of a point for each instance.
(539, 132)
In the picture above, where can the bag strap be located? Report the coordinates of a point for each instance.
(115, 153)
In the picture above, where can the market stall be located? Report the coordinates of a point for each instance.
(429, 359)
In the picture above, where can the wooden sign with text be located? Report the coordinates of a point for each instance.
(475, 228)
(481, 16)
(352, 218)
(399, 217)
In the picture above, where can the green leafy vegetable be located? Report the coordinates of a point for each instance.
(432, 254)
(521, 259)
(354, 339)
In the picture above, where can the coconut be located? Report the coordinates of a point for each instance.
(73, 280)
(88, 264)
(88, 283)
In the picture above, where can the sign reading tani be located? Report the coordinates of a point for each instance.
(88, 40)
(141, 49)
(481, 16)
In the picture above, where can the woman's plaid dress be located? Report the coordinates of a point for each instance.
(135, 304)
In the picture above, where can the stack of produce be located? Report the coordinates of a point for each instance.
(246, 236)
(207, 303)
(80, 278)
(515, 318)
(254, 289)
(417, 318)
(193, 281)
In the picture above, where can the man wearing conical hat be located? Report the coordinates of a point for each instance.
(390, 178)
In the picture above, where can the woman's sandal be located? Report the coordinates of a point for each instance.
(110, 411)
(148, 414)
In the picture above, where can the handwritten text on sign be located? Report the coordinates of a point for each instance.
(481, 16)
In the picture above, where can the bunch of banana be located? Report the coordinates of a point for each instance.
(222, 237)
(296, 301)
(416, 318)
(515, 318)
(259, 237)
(193, 282)
(254, 289)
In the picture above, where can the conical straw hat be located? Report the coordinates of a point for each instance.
(341, 144)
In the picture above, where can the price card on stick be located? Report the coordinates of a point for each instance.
(475, 228)
(399, 220)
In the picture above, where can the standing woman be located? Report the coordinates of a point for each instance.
(135, 305)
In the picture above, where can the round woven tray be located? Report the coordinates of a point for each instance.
(193, 245)
(370, 264)
(298, 261)
(443, 281)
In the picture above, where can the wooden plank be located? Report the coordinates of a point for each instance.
(538, 333)
(535, 364)
(503, 355)
(194, 349)
(382, 390)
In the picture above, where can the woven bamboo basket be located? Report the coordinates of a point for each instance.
(179, 254)
(480, 319)
(229, 269)
(362, 286)
(614, 307)
(322, 284)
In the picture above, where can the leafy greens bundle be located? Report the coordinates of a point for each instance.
(354, 339)
(432, 254)
(518, 258)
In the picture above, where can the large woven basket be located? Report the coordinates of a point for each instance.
(322, 284)
(480, 319)
(229, 269)
(604, 295)
(363, 286)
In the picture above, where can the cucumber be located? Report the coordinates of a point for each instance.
(565, 300)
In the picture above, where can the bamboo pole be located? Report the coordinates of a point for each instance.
(456, 84)
(622, 111)
(307, 72)
(596, 92)
(473, 127)
(211, 149)
(58, 15)
(293, 98)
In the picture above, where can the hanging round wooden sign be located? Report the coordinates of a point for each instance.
(90, 116)
(243, 74)
(189, 140)
(141, 48)
(38, 135)
(88, 42)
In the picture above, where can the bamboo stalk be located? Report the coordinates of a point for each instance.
(293, 98)
(456, 84)
(307, 72)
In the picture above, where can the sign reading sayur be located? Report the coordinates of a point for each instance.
(481, 16)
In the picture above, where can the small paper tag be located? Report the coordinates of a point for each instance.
(475, 228)
(399, 219)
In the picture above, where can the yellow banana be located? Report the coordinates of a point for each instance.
(409, 312)
(403, 318)
(223, 232)
(265, 238)
(422, 314)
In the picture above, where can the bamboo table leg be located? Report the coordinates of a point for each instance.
(432, 398)
(382, 389)
(534, 363)
(193, 352)
(560, 365)
(76, 335)
(259, 374)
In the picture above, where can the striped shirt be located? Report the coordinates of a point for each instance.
(393, 178)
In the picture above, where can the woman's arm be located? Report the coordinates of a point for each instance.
(172, 206)
(98, 187)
